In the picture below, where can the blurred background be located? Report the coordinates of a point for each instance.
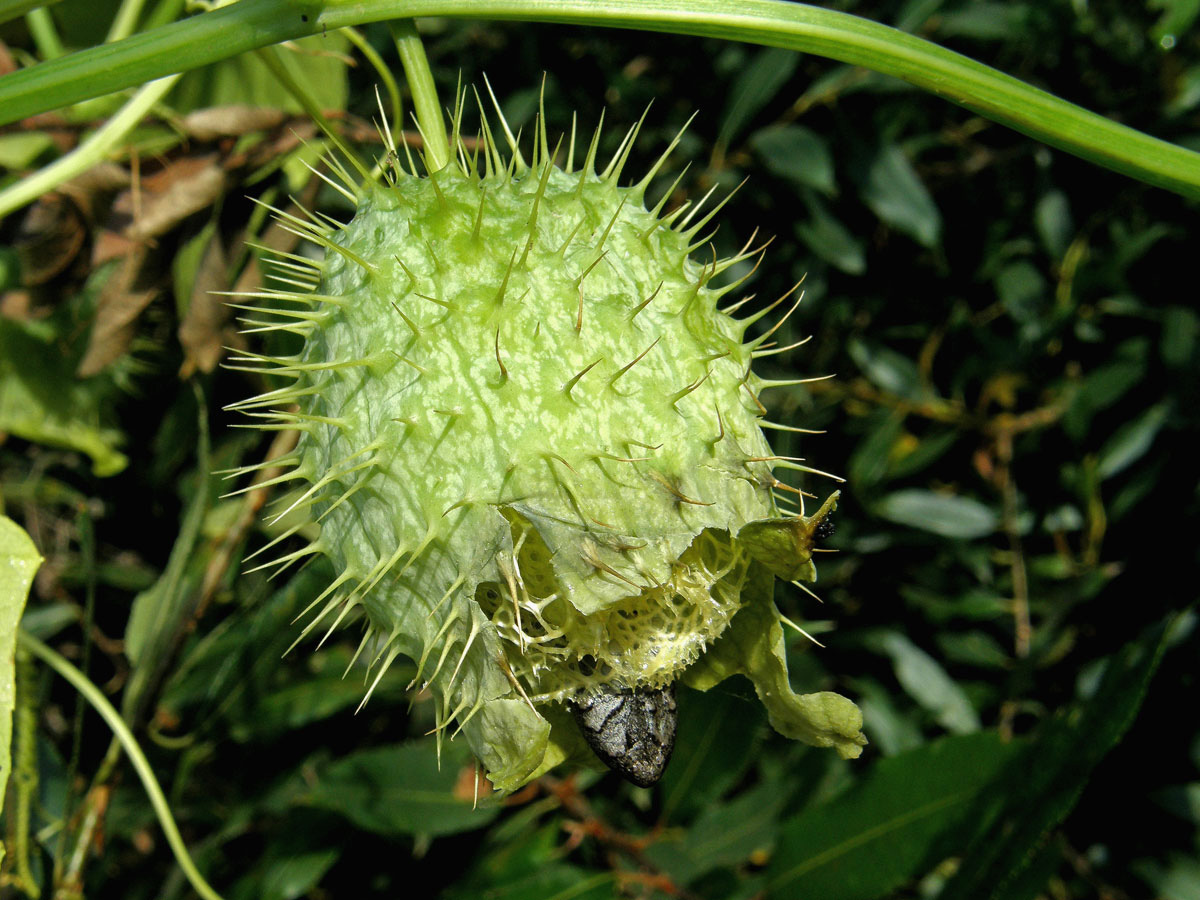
(1013, 335)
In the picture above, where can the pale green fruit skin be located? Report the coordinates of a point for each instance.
(509, 501)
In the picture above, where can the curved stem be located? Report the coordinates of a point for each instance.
(425, 98)
(90, 152)
(249, 24)
(44, 33)
(141, 765)
(125, 21)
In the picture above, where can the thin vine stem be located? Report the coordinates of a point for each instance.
(249, 24)
(425, 97)
(90, 152)
(129, 743)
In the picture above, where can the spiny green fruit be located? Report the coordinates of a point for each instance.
(533, 446)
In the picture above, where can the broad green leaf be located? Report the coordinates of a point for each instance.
(1022, 291)
(796, 153)
(1041, 786)
(402, 789)
(909, 812)
(924, 679)
(20, 151)
(41, 400)
(19, 561)
(945, 514)
(1178, 879)
(754, 87)
(1106, 384)
(553, 881)
(895, 193)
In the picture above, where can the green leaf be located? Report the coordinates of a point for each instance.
(555, 881)
(1180, 328)
(973, 648)
(1132, 440)
(298, 854)
(892, 730)
(895, 193)
(945, 514)
(985, 21)
(713, 746)
(869, 462)
(910, 812)
(41, 400)
(923, 679)
(723, 835)
(755, 86)
(315, 62)
(1052, 218)
(159, 613)
(19, 561)
(402, 789)
(1041, 786)
(830, 240)
(888, 370)
(1177, 17)
(796, 153)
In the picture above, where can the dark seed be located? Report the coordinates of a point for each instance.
(825, 529)
(631, 729)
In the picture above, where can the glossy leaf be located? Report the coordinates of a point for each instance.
(895, 193)
(798, 154)
(945, 514)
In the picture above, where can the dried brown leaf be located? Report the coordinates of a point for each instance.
(169, 196)
(204, 330)
(230, 121)
(50, 237)
(122, 300)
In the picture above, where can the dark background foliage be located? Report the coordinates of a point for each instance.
(1013, 334)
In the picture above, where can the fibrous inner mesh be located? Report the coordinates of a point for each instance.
(644, 639)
